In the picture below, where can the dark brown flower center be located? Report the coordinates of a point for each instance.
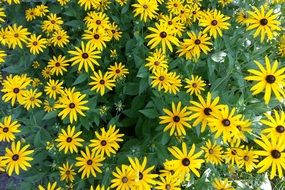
(103, 143)
(263, 21)
(96, 36)
(71, 105)
(145, 6)
(234, 152)
(280, 129)
(32, 98)
(239, 127)
(57, 64)
(59, 37)
(270, 79)
(175, 5)
(102, 81)
(194, 85)
(16, 35)
(118, 71)
(197, 41)
(35, 43)
(186, 162)
(246, 158)
(156, 63)
(52, 21)
(67, 172)
(85, 55)
(176, 119)
(113, 31)
(53, 87)
(211, 151)
(140, 176)
(214, 22)
(170, 22)
(15, 157)
(68, 139)
(167, 187)
(207, 111)
(226, 122)
(98, 22)
(16, 90)
(89, 162)
(5, 129)
(163, 34)
(161, 78)
(124, 179)
(275, 154)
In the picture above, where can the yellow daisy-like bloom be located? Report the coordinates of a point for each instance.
(114, 31)
(86, 56)
(95, 20)
(107, 141)
(186, 161)
(146, 9)
(269, 78)
(17, 158)
(89, 163)
(46, 72)
(72, 103)
(48, 107)
(2, 56)
(161, 79)
(121, 2)
(8, 129)
(31, 99)
(241, 16)
(53, 88)
(118, 71)
(52, 23)
(219, 184)
(176, 120)
(225, 2)
(102, 5)
(195, 85)
(98, 37)
(175, 83)
(232, 153)
(264, 22)
(124, 178)
(14, 88)
(36, 44)
(69, 140)
(281, 45)
(2, 15)
(86, 4)
(63, 2)
(12, 1)
(203, 110)
(60, 38)
(16, 35)
(102, 82)
(98, 187)
(244, 126)
(50, 186)
(173, 22)
(223, 123)
(275, 125)
(174, 6)
(41, 10)
(58, 65)
(144, 180)
(156, 60)
(274, 151)
(3, 35)
(214, 22)
(213, 153)
(167, 183)
(196, 44)
(163, 35)
(248, 158)
(30, 14)
(67, 172)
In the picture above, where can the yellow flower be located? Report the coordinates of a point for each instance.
(97, 37)
(53, 88)
(145, 9)
(41, 10)
(248, 157)
(213, 153)
(67, 172)
(86, 56)
(2, 56)
(30, 14)
(50, 186)
(264, 22)
(219, 184)
(16, 35)
(63, 2)
(160, 79)
(87, 4)
(36, 44)
(57, 65)
(176, 120)
(156, 60)
(174, 6)
(8, 129)
(52, 23)
(17, 157)
(269, 78)
(124, 178)
(214, 22)
(72, 103)
(118, 70)
(114, 31)
(95, 20)
(281, 46)
(168, 183)
(60, 38)
(46, 72)
(195, 85)
(275, 125)
(174, 22)
(163, 35)
(101, 82)
(225, 2)
(30, 99)
(89, 163)
(241, 16)
(232, 153)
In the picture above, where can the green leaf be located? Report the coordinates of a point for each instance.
(74, 23)
(131, 88)
(81, 78)
(50, 115)
(149, 113)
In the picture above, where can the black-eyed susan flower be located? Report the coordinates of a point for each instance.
(225, 2)
(124, 178)
(114, 31)
(67, 172)
(71, 103)
(69, 140)
(89, 163)
(176, 120)
(46, 72)
(102, 82)
(244, 126)
(58, 65)
(214, 22)
(195, 85)
(107, 141)
(219, 184)
(63, 2)
(203, 109)
(86, 4)
(53, 88)
(48, 106)
(144, 179)
(174, 6)
(30, 14)
(118, 70)
(16, 36)
(50, 186)
(14, 88)
(8, 129)
(3, 35)
(223, 123)
(160, 79)
(41, 10)
(52, 23)
(168, 183)
(98, 37)
(99, 187)
(274, 153)
(213, 153)
(86, 56)
(31, 99)
(173, 22)
(95, 20)
(268, 78)
(281, 45)
(17, 158)
(146, 9)
(60, 38)
(275, 125)
(248, 159)
(174, 83)
(186, 161)
(156, 60)
(264, 22)
(162, 35)
(231, 155)
(241, 16)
